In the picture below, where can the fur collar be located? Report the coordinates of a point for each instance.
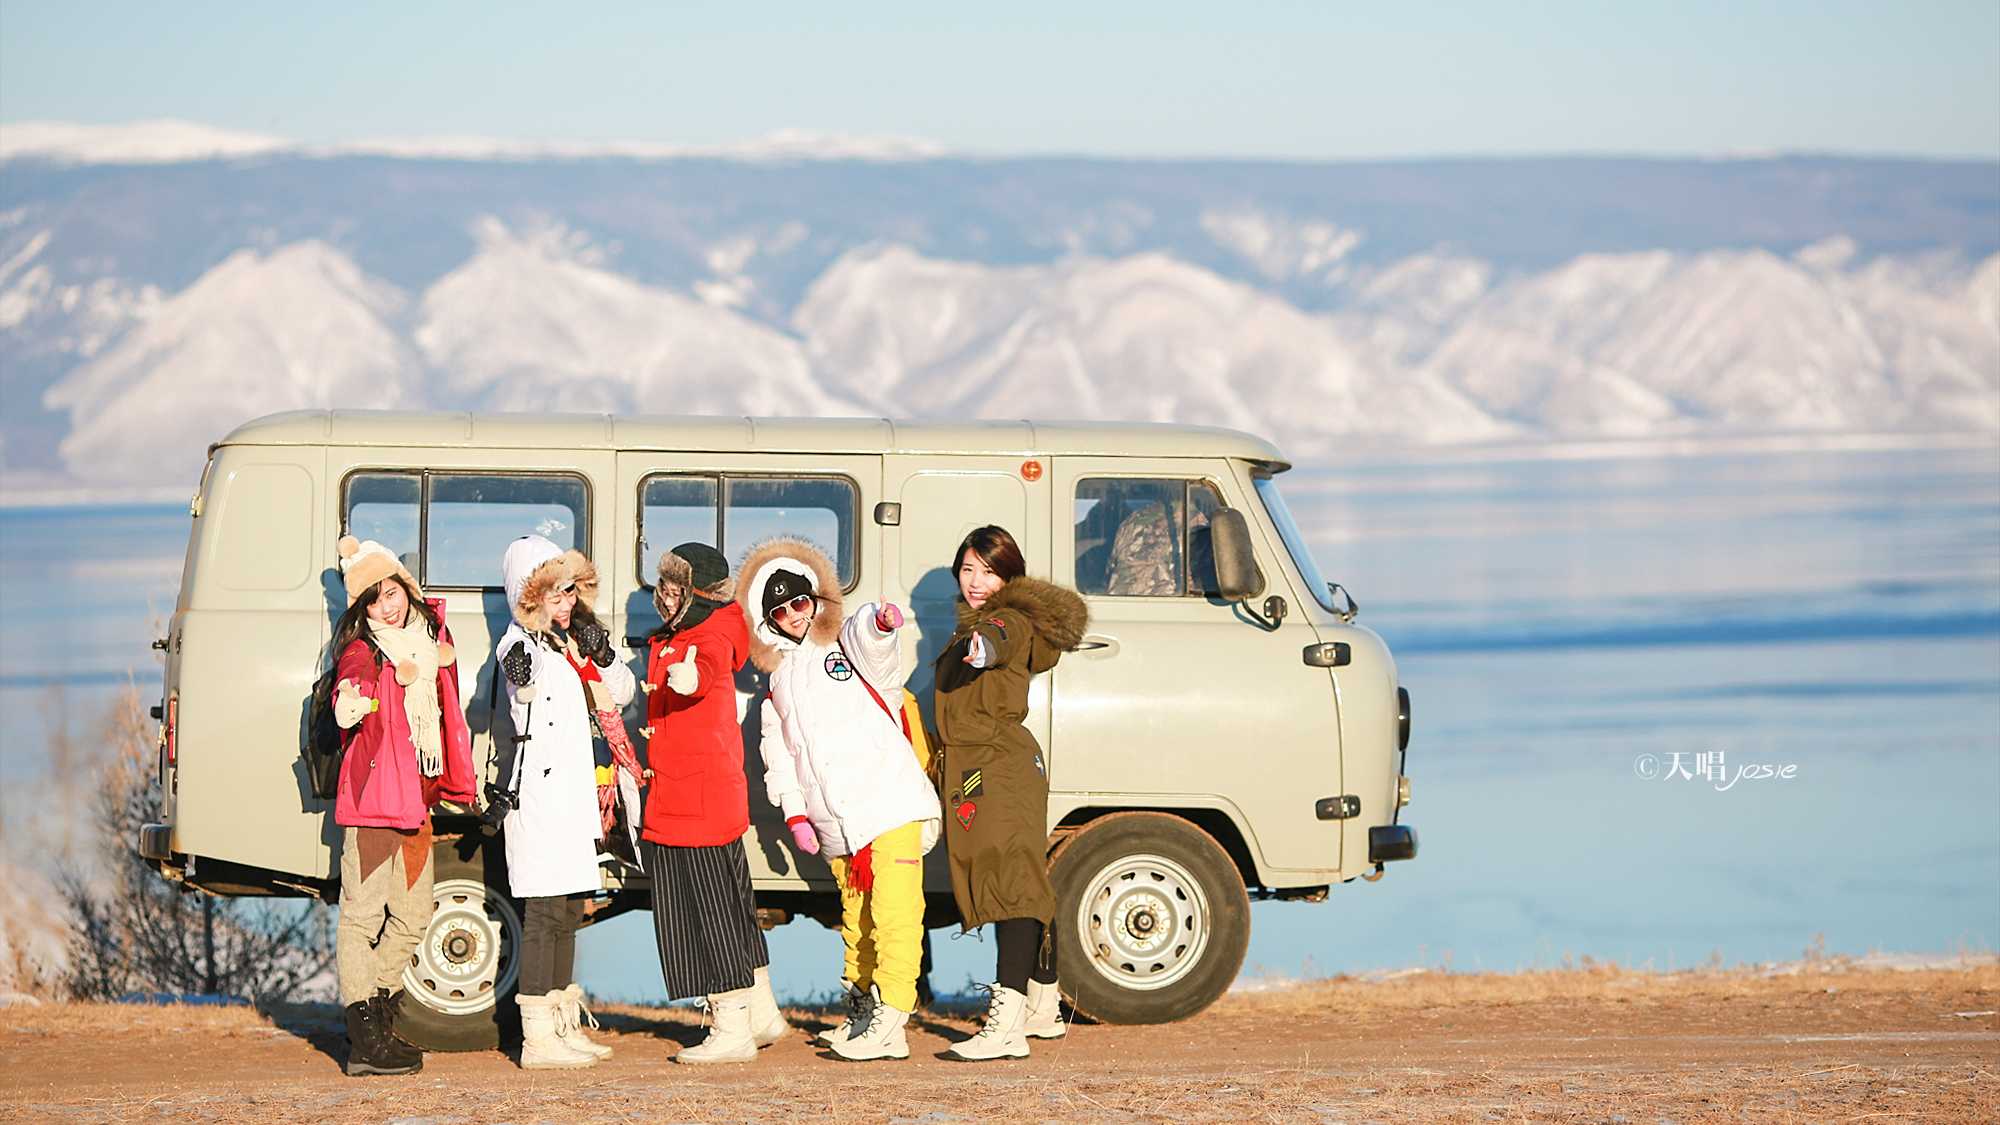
(768, 647)
(531, 606)
(1057, 613)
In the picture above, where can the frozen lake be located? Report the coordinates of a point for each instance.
(1604, 648)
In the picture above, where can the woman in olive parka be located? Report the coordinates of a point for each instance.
(995, 780)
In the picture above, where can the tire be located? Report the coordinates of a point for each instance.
(468, 961)
(1152, 919)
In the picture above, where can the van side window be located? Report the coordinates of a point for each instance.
(736, 512)
(1144, 537)
(452, 528)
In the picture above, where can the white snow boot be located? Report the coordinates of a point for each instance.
(541, 1047)
(860, 1001)
(1001, 1038)
(571, 1015)
(767, 1023)
(729, 1038)
(1044, 1019)
(882, 1037)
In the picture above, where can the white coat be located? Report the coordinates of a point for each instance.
(831, 753)
(552, 837)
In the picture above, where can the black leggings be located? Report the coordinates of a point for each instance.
(1024, 955)
(548, 942)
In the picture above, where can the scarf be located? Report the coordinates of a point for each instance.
(412, 649)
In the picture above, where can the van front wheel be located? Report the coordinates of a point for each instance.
(469, 955)
(1152, 919)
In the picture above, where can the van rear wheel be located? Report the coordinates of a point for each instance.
(1151, 916)
(468, 959)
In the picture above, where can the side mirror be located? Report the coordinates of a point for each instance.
(1236, 576)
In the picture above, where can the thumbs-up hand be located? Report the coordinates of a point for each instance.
(684, 678)
(349, 705)
(889, 618)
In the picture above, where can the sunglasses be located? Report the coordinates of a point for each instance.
(799, 605)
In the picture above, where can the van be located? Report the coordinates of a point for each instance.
(1225, 731)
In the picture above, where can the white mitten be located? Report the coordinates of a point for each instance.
(684, 678)
(349, 705)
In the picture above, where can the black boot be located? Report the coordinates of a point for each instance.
(396, 1052)
(365, 1036)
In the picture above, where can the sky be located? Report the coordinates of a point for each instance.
(1278, 80)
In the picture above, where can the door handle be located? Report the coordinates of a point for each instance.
(1331, 654)
(1097, 646)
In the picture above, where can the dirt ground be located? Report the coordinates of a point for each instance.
(1821, 1044)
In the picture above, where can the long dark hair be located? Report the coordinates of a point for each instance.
(995, 548)
(353, 625)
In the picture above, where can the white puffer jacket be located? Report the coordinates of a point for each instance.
(831, 753)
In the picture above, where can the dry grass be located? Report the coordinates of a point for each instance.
(1596, 1044)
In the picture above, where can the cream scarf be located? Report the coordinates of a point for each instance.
(415, 655)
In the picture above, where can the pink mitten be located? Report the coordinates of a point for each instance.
(889, 618)
(802, 834)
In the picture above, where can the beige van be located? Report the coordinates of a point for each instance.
(1226, 731)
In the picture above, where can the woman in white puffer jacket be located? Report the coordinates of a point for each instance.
(840, 765)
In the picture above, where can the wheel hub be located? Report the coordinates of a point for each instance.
(465, 960)
(1144, 921)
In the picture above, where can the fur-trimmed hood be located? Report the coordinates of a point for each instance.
(533, 569)
(1057, 613)
(768, 646)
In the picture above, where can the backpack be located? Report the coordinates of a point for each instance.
(325, 741)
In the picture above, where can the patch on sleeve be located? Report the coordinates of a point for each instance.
(966, 811)
(971, 783)
(998, 624)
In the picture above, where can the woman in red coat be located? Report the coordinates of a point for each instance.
(704, 912)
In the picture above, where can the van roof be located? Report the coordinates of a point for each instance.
(739, 435)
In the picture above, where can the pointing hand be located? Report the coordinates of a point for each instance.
(889, 618)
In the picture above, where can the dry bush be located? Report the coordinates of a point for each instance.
(135, 932)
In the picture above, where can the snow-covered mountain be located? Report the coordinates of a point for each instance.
(146, 308)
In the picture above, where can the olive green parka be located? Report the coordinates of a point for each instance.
(995, 778)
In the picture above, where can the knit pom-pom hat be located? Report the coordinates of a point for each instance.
(363, 564)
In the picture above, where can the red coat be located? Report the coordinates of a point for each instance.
(380, 784)
(694, 743)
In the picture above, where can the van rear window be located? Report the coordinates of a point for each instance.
(735, 513)
(451, 528)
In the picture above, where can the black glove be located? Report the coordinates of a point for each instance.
(593, 642)
(519, 668)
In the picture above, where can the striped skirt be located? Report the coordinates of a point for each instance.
(705, 917)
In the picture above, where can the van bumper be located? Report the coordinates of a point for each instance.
(156, 841)
(1387, 842)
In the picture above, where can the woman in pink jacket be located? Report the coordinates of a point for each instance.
(406, 748)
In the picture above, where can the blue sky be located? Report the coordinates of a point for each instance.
(1290, 80)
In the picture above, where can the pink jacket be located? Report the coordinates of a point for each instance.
(380, 785)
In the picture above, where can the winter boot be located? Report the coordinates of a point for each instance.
(1044, 1019)
(542, 1047)
(364, 1044)
(859, 1002)
(1001, 1038)
(398, 1051)
(767, 1023)
(570, 1014)
(729, 1038)
(881, 1037)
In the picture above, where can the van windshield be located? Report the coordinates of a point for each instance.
(1295, 543)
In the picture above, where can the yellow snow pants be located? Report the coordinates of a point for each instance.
(884, 926)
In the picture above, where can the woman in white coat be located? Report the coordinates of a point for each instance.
(555, 658)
